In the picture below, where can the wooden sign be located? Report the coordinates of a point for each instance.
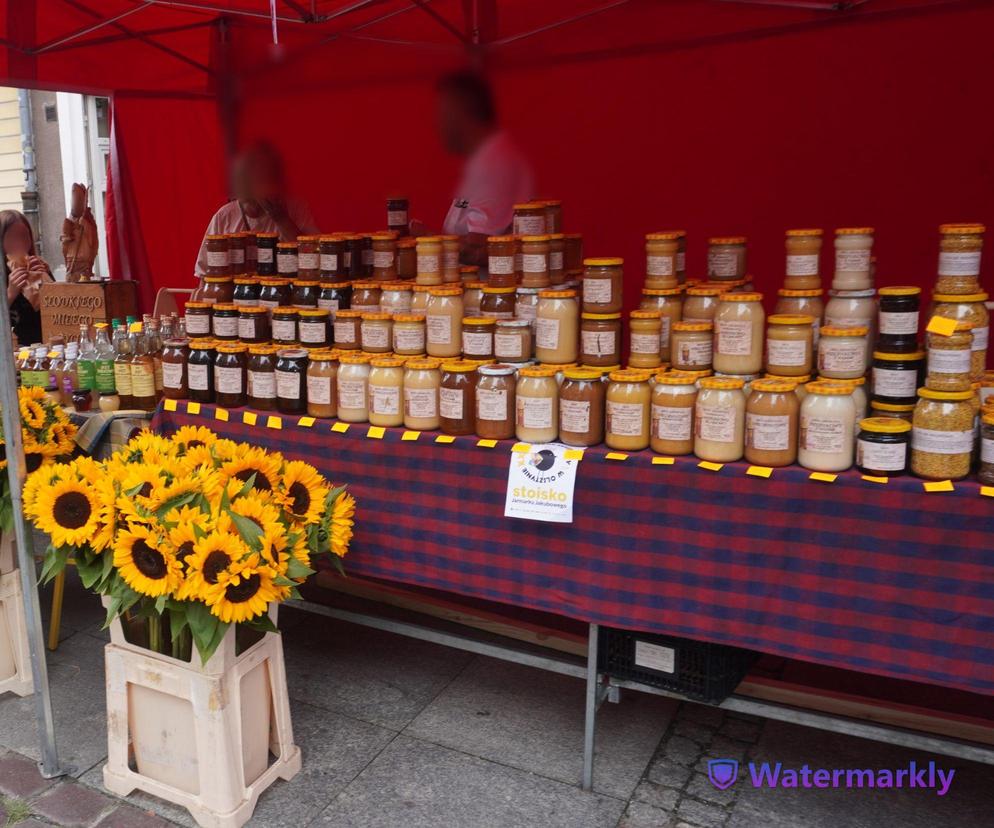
(65, 306)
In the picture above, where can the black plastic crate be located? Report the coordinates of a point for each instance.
(696, 669)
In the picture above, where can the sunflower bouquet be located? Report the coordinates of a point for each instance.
(47, 435)
(190, 534)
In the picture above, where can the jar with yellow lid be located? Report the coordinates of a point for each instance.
(896, 377)
(739, 322)
(407, 258)
(419, 298)
(513, 340)
(450, 259)
(422, 380)
(396, 298)
(942, 435)
(771, 421)
(308, 257)
(719, 420)
(882, 447)
(701, 304)
(376, 333)
(842, 352)
(472, 294)
(353, 387)
(892, 410)
(478, 337)
(959, 258)
(322, 374)
(535, 261)
(789, 344)
(498, 302)
(985, 474)
(582, 397)
(495, 406)
(726, 258)
(331, 266)
(457, 397)
(246, 291)
(600, 339)
(897, 321)
(198, 319)
(253, 325)
(661, 251)
(529, 218)
(229, 374)
(557, 262)
(366, 297)
(968, 308)
(216, 289)
(287, 265)
(443, 322)
(602, 285)
(691, 346)
(627, 412)
(806, 302)
(557, 321)
(260, 377)
(537, 405)
(500, 261)
(429, 253)
(275, 293)
(669, 302)
(803, 260)
(409, 334)
(283, 326)
(312, 327)
(469, 273)
(857, 388)
(347, 330)
(265, 253)
(853, 246)
(386, 383)
(828, 423)
(672, 415)
(216, 246)
(645, 331)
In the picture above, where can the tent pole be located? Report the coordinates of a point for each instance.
(16, 471)
(582, 16)
(81, 32)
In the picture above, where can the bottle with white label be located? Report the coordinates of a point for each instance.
(853, 250)
(842, 352)
(897, 377)
(882, 447)
(959, 258)
(627, 413)
(771, 423)
(557, 327)
(739, 324)
(897, 321)
(537, 405)
(803, 260)
(671, 426)
(943, 434)
(828, 420)
(353, 388)
(386, 391)
(719, 420)
(422, 380)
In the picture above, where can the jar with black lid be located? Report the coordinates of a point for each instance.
(274, 293)
(898, 319)
(253, 325)
(246, 291)
(291, 380)
(265, 253)
(305, 293)
(897, 377)
(284, 326)
(229, 374)
(882, 446)
(287, 259)
(260, 379)
(334, 298)
(330, 259)
(200, 370)
(224, 322)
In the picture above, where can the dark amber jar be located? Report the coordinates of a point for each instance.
(229, 374)
(478, 337)
(175, 354)
(200, 370)
(497, 302)
(265, 252)
(305, 293)
(457, 398)
(284, 326)
(312, 327)
(407, 258)
(331, 264)
(602, 285)
(354, 255)
(291, 380)
(224, 322)
(348, 330)
(286, 260)
(260, 379)
(246, 291)
(198, 319)
(274, 293)
(236, 253)
(217, 255)
(500, 261)
(217, 290)
(397, 218)
(253, 325)
(334, 298)
(308, 257)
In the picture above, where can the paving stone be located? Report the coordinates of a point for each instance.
(3, 815)
(127, 817)
(643, 815)
(700, 787)
(533, 720)
(703, 814)
(722, 747)
(419, 785)
(702, 713)
(741, 730)
(658, 796)
(20, 777)
(667, 772)
(69, 804)
(173, 814)
(681, 750)
(700, 733)
(31, 822)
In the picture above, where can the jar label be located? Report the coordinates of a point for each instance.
(534, 412)
(450, 403)
(959, 264)
(786, 352)
(491, 405)
(626, 419)
(673, 423)
(105, 376)
(142, 381)
(898, 323)
(396, 218)
(734, 337)
(881, 456)
(228, 380)
(316, 333)
(286, 262)
(374, 335)
(948, 362)
(529, 225)
(287, 385)
(318, 390)
(597, 291)
(246, 327)
(477, 343)
(508, 346)
(660, 266)
(329, 261)
(767, 432)
(574, 416)
(329, 305)
(534, 263)
(694, 354)
(500, 265)
(269, 304)
(987, 450)
(598, 343)
(547, 333)
(384, 399)
(645, 344)
(172, 375)
(942, 442)
(217, 258)
(345, 331)
(980, 336)
(715, 423)
(888, 382)
(264, 255)
(845, 322)
(226, 326)
(197, 379)
(420, 402)
(664, 333)
(262, 385)
(382, 259)
(236, 256)
(410, 339)
(122, 377)
(351, 394)
(723, 264)
(307, 261)
(284, 330)
(852, 261)
(371, 308)
(555, 260)
(835, 355)
(198, 324)
(428, 263)
(526, 310)
(439, 329)
(824, 434)
(805, 265)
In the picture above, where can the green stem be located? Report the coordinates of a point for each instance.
(155, 634)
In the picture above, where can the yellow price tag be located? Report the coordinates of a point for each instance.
(339, 428)
(823, 477)
(193, 408)
(759, 471)
(221, 414)
(663, 461)
(445, 439)
(274, 422)
(942, 326)
(487, 444)
(707, 464)
(615, 455)
(305, 422)
(250, 418)
(987, 491)
(376, 432)
(938, 486)
(169, 405)
(870, 479)
(410, 436)
(573, 454)
(521, 448)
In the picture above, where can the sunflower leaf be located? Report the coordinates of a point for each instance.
(282, 580)
(177, 620)
(261, 623)
(174, 503)
(134, 490)
(219, 633)
(160, 604)
(107, 561)
(249, 531)
(55, 562)
(89, 572)
(248, 485)
(337, 563)
(295, 569)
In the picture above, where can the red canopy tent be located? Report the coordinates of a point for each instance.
(744, 116)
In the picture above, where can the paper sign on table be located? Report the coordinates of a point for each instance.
(938, 486)
(169, 405)
(250, 418)
(193, 408)
(340, 428)
(221, 415)
(410, 436)
(376, 432)
(759, 471)
(274, 422)
(540, 484)
(941, 325)
(663, 461)
(305, 422)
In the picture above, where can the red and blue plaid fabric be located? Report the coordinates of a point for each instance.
(878, 577)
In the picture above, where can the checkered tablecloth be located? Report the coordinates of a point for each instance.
(879, 577)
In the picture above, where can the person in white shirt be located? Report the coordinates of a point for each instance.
(495, 176)
(260, 204)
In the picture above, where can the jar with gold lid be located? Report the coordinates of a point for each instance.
(216, 290)
(309, 258)
(330, 259)
(535, 261)
(450, 259)
(803, 260)
(419, 298)
(429, 261)
(274, 293)
(498, 302)
(246, 291)
(627, 410)
(691, 346)
(366, 297)
(216, 245)
(353, 387)
(495, 403)
(853, 249)
(529, 219)
(602, 285)
(701, 304)
(513, 340)
(660, 260)
(305, 293)
(287, 259)
(284, 326)
(672, 415)
(229, 374)
(471, 297)
(726, 258)
(739, 323)
(409, 334)
(469, 273)
(806, 302)
(600, 339)
(968, 308)
(959, 258)
(842, 352)
(386, 391)
(500, 261)
(312, 327)
(557, 326)
(407, 258)
(771, 423)
(457, 397)
(347, 330)
(478, 337)
(322, 378)
(384, 256)
(198, 319)
(422, 381)
(396, 298)
(557, 269)
(719, 420)
(789, 344)
(376, 333)
(645, 328)
(443, 322)
(260, 377)
(669, 303)
(537, 405)
(582, 397)
(253, 325)
(943, 435)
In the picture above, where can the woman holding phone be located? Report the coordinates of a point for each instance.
(23, 271)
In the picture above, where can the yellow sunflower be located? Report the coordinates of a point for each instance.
(189, 437)
(61, 438)
(183, 538)
(342, 524)
(40, 481)
(211, 556)
(149, 480)
(255, 461)
(88, 469)
(69, 511)
(304, 491)
(225, 449)
(197, 457)
(242, 592)
(144, 562)
(32, 413)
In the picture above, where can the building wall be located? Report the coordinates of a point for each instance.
(51, 192)
(11, 159)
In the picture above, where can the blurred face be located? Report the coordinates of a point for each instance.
(257, 179)
(17, 240)
(453, 124)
